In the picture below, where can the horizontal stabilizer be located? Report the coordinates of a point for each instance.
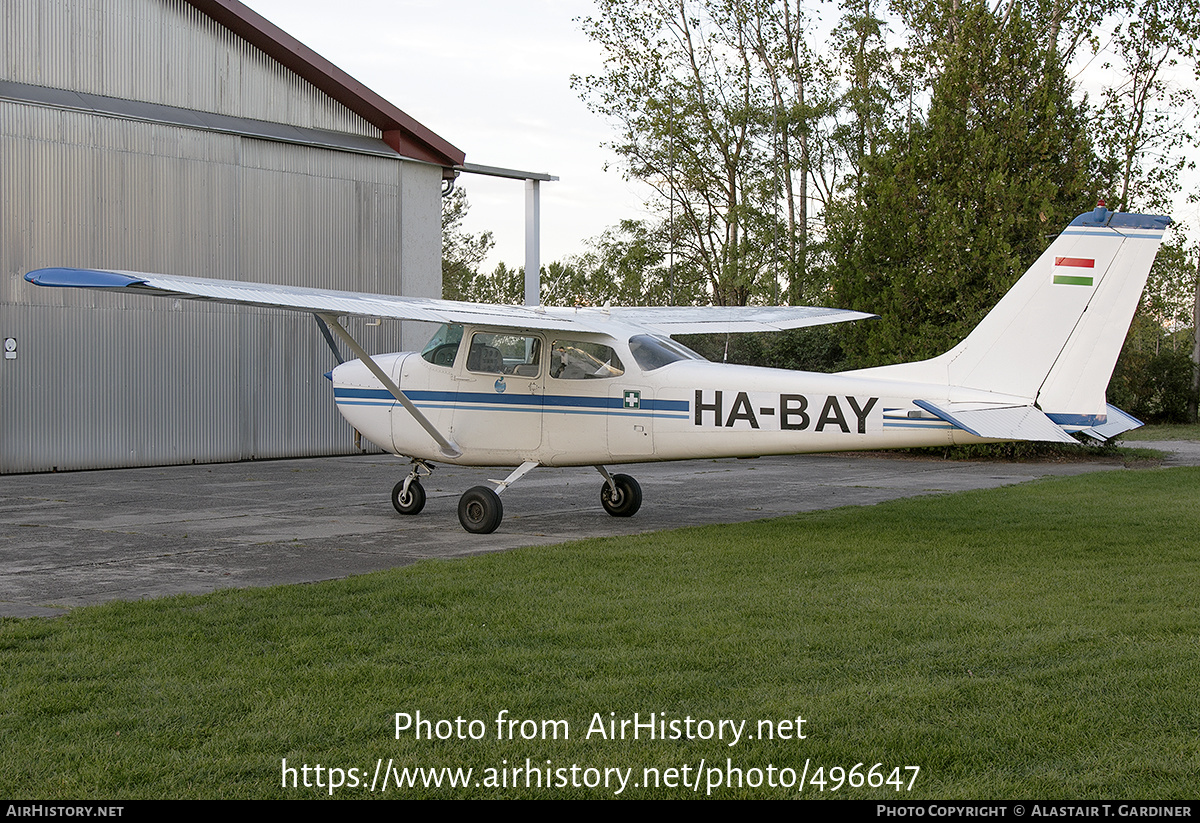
(666, 320)
(1118, 422)
(1000, 422)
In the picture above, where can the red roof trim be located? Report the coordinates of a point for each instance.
(400, 131)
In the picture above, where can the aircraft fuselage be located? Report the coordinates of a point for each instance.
(503, 414)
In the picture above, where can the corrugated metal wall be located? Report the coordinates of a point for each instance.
(102, 380)
(159, 51)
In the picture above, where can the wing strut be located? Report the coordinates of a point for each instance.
(449, 448)
(337, 355)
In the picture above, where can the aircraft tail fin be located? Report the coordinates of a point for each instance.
(1054, 338)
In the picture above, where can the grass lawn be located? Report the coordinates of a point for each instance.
(1169, 431)
(1034, 641)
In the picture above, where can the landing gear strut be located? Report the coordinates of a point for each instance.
(408, 496)
(410, 500)
(480, 510)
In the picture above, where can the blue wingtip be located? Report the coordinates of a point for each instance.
(81, 278)
(1101, 216)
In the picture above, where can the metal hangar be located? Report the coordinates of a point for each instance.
(192, 137)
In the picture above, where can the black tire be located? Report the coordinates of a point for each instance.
(413, 502)
(480, 510)
(626, 501)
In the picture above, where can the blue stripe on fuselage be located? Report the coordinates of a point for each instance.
(484, 401)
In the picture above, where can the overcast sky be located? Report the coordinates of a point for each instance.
(493, 78)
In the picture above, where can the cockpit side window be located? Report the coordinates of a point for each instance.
(580, 360)
(652, 351)
(514, 354)
(442, 348)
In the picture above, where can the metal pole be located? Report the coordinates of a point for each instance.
(533, 236)
(1194, 400)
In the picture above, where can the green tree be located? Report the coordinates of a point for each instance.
(1153, 377)
(627, 265)
(799, 116)
(1147, 127)
(462, 252)
(681, 85)
(1146, 120)
(966, 199)
(866, 106)
(503, 285)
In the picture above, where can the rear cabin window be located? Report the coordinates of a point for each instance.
(580, 360)
(653, 352)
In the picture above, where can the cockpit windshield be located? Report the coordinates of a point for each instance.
(443, 346)
(652, 351)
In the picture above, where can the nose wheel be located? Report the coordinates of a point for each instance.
(408, 496)
(408, 500)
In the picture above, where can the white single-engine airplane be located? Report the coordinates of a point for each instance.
(527, 387)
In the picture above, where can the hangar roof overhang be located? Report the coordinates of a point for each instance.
(191, 118)
(401, 132)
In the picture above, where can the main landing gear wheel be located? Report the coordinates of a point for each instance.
(411, 502)
(480, 510)
(627, 499)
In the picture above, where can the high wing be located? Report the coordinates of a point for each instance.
(664, 320)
